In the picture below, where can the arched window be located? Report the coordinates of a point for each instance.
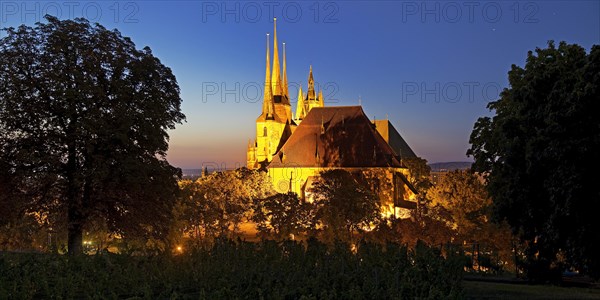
(265, 131)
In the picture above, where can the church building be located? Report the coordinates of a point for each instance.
(295, 148)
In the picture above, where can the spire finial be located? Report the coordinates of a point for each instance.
(276, 75)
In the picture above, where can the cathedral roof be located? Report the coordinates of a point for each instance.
(337, 136)
(391, 135)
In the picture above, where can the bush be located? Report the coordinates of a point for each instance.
(239, 270)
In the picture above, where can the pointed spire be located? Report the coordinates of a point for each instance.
(285, 83)
(374, 154)
(276, 75)
(311, 86)
(300, 109)
(268, 94)
(317, 156)
(322, 125)
(320, 99)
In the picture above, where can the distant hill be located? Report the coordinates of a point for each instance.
(191, 172)
(450, 166)
(436, 167)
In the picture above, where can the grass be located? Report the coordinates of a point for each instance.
(493, 290)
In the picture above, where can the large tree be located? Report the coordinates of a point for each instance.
(541, 155)
(84, 117)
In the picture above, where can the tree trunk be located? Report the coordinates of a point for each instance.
(75, 216)
(75, 243)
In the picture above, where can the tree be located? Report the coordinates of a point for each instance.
(217, 203)
(541, 152)
(345, 204)
(282, 215)
(464, 197)
(420, 178)
(84, 117)
(419, 174)
(466, 206)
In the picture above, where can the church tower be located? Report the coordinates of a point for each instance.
(279, 87)
(274, 125)
(311, 100)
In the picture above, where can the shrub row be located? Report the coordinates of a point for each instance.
(239, 270)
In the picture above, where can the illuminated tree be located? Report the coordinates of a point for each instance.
(84, 117)
(419, 173)
(345, 204)
(216, 204)
(464, 197)
(466, 206)
(283, 215)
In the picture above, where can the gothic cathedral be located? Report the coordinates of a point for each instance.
(294, 149)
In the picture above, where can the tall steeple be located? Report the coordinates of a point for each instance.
(311, 86)
(276, 75)
(268, 108)
(301, 108)
(285, 83)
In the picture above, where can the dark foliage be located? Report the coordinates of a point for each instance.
(240, 270)
(83, 128)
(541, 152)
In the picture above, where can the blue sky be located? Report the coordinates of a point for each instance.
(430, 67)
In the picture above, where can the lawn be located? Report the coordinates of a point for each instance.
(493, 290)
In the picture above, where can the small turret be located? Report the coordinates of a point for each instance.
(320, 100)
(301, 107)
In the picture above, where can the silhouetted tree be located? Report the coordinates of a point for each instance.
(541, 155)
(84, 117)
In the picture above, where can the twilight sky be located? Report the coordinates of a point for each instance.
(429, 66)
